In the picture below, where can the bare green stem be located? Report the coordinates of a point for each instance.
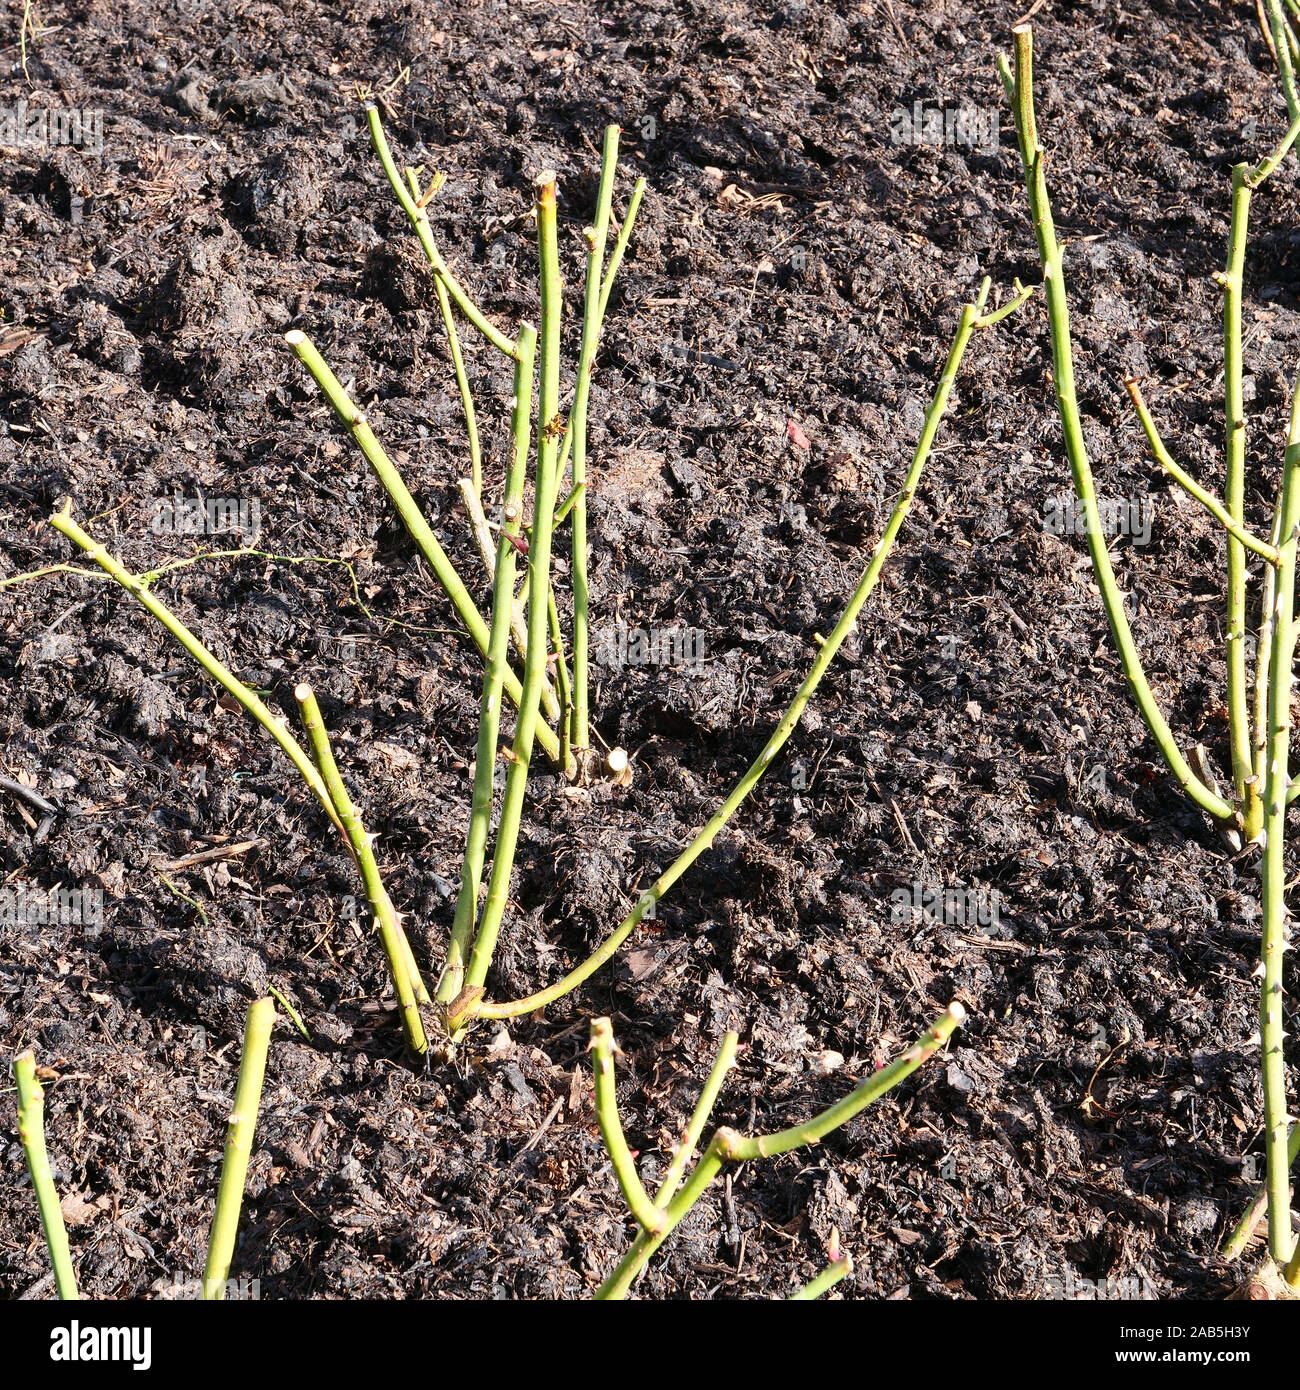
(561, 512)
(274, 725)
(462, 385)
(539, 585)
(1230, 281)
(397, 949)
(650, 1217)
(1189, 485)
(419, 529)
(1254, 1213)
(488, 553)
(239, 1145)
(621, 243)
(419, 219)
(1264, 659)
(1282, 43)
(591, 322)
(685, 1151)
(1273, 867)
(503, 602)
(1245, 180)
(1020, 88)
(31, 1134)
(825, 1281)
(564, 721)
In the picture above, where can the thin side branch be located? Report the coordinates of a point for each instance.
(1189, 485)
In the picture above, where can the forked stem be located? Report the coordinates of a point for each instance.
(650, 1217)
(728, 1146)
(419, 219)
(972, 317)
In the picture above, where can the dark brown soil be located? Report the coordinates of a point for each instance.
(1092, 1119)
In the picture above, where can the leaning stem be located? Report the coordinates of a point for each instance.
(397, 949)
(1020, 88)
(239, 1145)
(274, 725)
(1245, 1228)
(503, 595)
(1273, 870)
(728, 1146)
(539, 584)
(620, 243)
(797, 1136)
(419, 219)
(462, 385)
(1267, 550)
(31, 1134)
(722, 1064)
(970, 320)
(418, 528)
(825, 1281)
